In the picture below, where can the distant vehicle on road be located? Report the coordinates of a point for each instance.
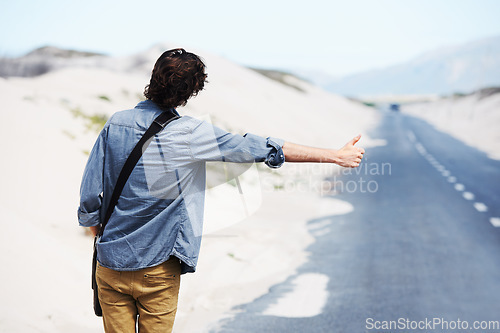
(394, 107)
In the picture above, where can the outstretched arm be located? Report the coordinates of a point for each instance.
(347, 156)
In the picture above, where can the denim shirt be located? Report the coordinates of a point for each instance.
(160, 211)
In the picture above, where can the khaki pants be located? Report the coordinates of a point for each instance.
(148, 296)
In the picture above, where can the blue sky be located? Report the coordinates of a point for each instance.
(336, 37)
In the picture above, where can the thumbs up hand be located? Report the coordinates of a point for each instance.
(349, 155)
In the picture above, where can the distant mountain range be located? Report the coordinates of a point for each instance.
(464, 68)
(459, 69)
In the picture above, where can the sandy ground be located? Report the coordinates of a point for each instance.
(258, 241)
(473, 119)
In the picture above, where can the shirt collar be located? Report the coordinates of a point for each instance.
(149, 104)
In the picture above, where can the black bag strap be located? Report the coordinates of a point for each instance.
(158, 124)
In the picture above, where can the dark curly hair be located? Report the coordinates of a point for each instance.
(177, 76)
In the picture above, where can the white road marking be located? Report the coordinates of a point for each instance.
(468, 195)
(440, 168)
(307, 299)
(495, 221)
(481, 207)
(420, 148)
(411, 136)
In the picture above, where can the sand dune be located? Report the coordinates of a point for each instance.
(473, 119)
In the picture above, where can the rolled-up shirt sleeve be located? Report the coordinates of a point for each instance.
(210, 143)
(270, 149)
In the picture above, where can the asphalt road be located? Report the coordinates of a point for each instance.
(420, 249)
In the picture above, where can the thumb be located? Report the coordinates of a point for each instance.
(354, 140)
